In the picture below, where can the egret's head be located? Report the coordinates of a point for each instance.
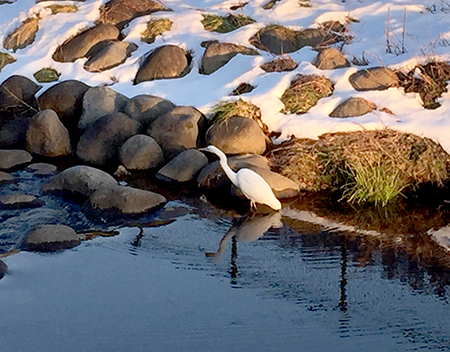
(212, 149)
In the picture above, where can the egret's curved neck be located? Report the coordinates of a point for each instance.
(228, 171)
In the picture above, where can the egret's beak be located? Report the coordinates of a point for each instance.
(203, 149)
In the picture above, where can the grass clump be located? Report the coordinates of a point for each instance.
(69, 8)
(304, 92)
(225, 24)
(46, 75)
(5, 59)
(22, 36)
(304, 3)
(154, 28)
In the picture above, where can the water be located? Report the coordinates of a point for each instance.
(200, 278)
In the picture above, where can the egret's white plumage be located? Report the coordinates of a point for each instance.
(249, 182)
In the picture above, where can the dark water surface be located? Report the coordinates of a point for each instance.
(194, 277)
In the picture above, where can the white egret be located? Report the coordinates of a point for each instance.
(248, 181)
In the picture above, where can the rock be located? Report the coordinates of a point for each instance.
(19, 201)
(125, 200)
(100, 143)
(169, 61)
(99, 102)
(22, 36)
(42, 169)
(6, 178)
(121, 12)
(121, 172)
(13, 134)
(3, 269)
(80, 180)
(375, 78)
(184, 167)
(47, 136)
(78, 46)
(147, 108)
(280, 64)
(330, 59)
(108, 54)
(354, 106)
(141, 152)
(237, 135)
(177, 130)
(13, 158)
(219, 54)
(66, 99)
(49, 238)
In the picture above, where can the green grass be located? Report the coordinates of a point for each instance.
(225, 24)
(154, 28)
(46, 75)
(225, 110)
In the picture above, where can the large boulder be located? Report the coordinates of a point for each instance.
(375, 78)
(354, 106)
(141, 152)
(108, 54)
(42, 169)
(13, 158)
(49, 238)
(184, 167)
(66, 99)
(125, 200)
(78, 46)
(177, 130)
(237, 135)
(169, 61)
(80, 181)
(146, 108)
(330, 59)
(99, 102)
(100, 143)
(13, 134)
(47, 136)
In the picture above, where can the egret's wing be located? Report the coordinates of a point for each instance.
(256, 188)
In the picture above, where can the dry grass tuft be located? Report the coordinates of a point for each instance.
(225, 24)
(22, 36)
(46, 75)
(5, 59)
(154, 28)
(304, 92)
(69, 8)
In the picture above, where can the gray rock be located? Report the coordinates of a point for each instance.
(49, 238)
(375, 78)
(108, 54)
(354, 106)
(18, 201)
(3, 269)
(147, 108)
(169, 61)
(47, 136)
(13, 134)
(330, 59)
(184, 167)
(125, 200)
(66, 99)
(79, 46)
(42, 169)
(80, 180)
(99, 102)
(219, 54)
(237, 135)
(13, 158)
(101, 142)
(280, 64)
(6, 178)
(141, 152)
(177, 130)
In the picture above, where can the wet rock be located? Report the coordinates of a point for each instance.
(78, 46)
(375, 78)
(49, 238)
(354, 106)
(102, 140)
(22, 36)
(141, 152)
(169, 61)
(177, 130)
(147, 108)
(219, 54)
(99, 102)
(6, 178)
(13, 134)
(13, 158)
(19, 201)
(42, 169)
(280, 64)
(108, 54)
(121, 12)
(125, 200)
(184, 167)
(66, 99)
(330, 59)
(80, 180)
(237, 135)
(47, 136)
(3, 269)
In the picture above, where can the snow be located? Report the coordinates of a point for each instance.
(426, 37)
